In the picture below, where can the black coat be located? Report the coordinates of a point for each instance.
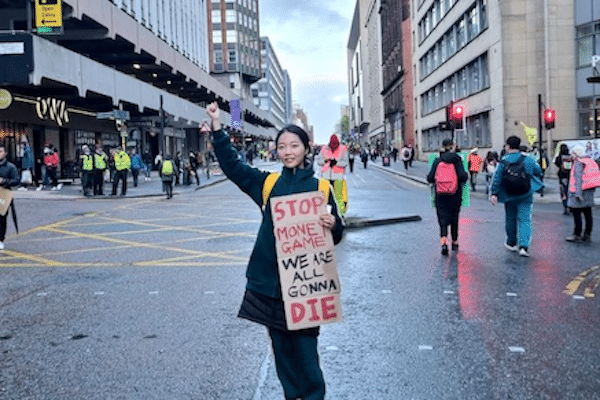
(448, 205)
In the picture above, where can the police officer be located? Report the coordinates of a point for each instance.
(100, 161)
(86, 165)
(122, 165)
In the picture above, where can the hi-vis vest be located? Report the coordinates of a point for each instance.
(336, 172)
(87, 162)
(590, 178)
(122, 161)
(100, 160)
(272, 178)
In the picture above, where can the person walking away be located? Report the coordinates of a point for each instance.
(195, 166)
(395, 154)
(27, 165)
(448, 175)
(517, 177)
(9, 177)
(147, 159)
(51, 161)
(351, 156)
(136, 165)
(564, 162)
(86, 166)
(583, 181)
(364, 157)
(489, 166)
(100, 161)
(166, 171)
(122, 165)
(405, 156)
(412, 155)
(475, 163)
(333, 159)
(296, 352)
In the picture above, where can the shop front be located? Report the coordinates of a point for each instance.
(50, 122)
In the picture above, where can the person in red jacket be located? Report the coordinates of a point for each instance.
(51, 161)
(475, 163)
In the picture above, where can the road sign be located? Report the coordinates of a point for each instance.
(48, 16)
(115, 114)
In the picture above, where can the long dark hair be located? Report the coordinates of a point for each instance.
(295, 129)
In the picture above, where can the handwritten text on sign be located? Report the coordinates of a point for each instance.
(306, 260)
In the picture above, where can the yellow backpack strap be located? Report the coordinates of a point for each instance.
(324, 186)
(268, 186)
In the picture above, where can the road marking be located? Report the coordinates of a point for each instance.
(590, 290)
(572, 287)
(516, 349)
(154, 292)
(511, 294)
(386, 291)
(98, 293)
(42, 294)
(332, 348)
(579, 297)
(425, 347)
(448, 292)
(31, 257)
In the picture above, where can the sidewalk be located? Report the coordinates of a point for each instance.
(418, 173)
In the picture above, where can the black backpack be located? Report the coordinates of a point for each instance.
(515, 180)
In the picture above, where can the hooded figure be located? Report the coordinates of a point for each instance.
(333, 160)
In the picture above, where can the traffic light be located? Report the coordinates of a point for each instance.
(549, 118)
(455, 114)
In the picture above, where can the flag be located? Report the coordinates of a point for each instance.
(530, 133)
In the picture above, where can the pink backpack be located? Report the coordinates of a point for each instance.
(446, 179)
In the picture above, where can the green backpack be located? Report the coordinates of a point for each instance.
(167, 167)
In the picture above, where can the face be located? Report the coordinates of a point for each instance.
(291, 150)
(2, 153)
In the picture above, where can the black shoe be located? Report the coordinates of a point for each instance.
(454, 246)
(585, 237)
(444, 249)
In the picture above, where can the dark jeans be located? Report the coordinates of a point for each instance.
(453, 230)
(297, 365)
(120, 175)
(473, 179)
(87, 182)
(135, 173)
(587, 213)
(51, 176)
(148, 169)
(168, 187)
(351, 164)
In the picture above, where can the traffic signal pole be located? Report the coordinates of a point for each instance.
(540, 113)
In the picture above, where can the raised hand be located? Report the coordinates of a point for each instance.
(212, 110)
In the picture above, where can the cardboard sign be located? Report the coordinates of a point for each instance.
(306, 261)
(5, 199)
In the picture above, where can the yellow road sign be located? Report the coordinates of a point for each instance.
(48, 14)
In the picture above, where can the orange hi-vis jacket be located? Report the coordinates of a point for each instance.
(590, 177)
(475, 162)
(337, 171)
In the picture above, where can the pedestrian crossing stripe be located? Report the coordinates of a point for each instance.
(589, 291)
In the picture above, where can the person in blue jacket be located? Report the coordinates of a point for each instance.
(296, 355)
(518, 208)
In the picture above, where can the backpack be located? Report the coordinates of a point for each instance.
(272, 178)
(406, 153)
(446, 178)
(167, 167)
(515, 180)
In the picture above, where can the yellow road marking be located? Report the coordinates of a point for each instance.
(590, 291)
(572, 287)
(34, 258)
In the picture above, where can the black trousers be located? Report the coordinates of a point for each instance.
(120, 175)
(587, 213)
(98, 181)
(3, 226)
(87, 182)
(297, 365)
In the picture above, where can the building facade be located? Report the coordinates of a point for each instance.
(147, 58)
(271, 92)
(497, 59)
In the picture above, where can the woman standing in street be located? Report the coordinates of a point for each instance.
(583, 181)
(564, 162)
(296, 355)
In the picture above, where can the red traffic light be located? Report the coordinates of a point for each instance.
(549, 118)
(457, 112)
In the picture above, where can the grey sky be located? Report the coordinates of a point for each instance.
(310, 39)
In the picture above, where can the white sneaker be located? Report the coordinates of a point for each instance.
(60, 185)
(53, 188)
(511, 248)
(1, 245)
(523, 252)
(39, 188)
(22, 188)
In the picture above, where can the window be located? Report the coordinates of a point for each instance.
(232, 56)
(216, 16)
(218, 56)
(217, 36)
(482, 14)
(230, 15)
(460, 34)
(472, 23)
(231, 36)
